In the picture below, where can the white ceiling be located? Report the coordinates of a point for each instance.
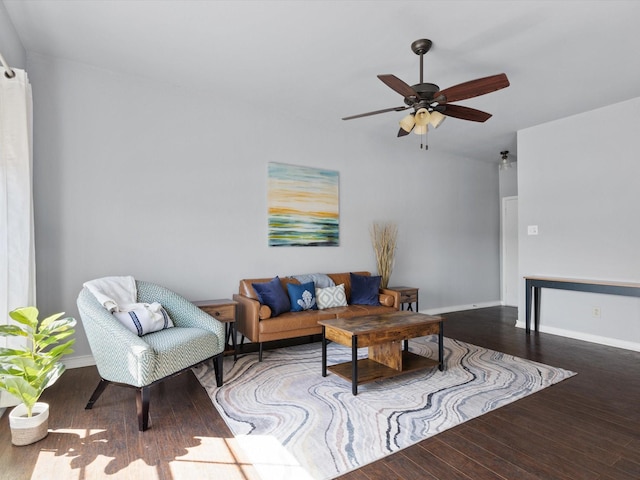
(318, 60)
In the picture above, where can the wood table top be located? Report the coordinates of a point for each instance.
(381, 322)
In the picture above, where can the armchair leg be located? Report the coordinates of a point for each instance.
(217, 365)
(260, 352)
(142, 403)
(97, 392)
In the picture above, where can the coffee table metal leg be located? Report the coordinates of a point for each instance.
(441, 348)
(354, 364)
(324, 353)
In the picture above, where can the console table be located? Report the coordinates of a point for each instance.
(533, 285)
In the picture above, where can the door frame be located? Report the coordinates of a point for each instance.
(503, 276)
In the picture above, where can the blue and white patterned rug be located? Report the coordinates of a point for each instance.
(294, 424)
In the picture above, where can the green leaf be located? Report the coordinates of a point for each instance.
(48, 338)
(26, 316)
(20, 388)
(50, 377)
(45, 342)
(8, 352)
(12, 331)
(51, 319)
(61, 350)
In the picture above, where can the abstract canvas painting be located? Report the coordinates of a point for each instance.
(303, 206)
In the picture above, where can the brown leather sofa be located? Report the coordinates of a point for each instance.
(254, 320)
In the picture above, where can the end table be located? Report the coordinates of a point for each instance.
(408, 295)
(223, 310)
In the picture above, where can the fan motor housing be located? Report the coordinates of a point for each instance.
(426, 91)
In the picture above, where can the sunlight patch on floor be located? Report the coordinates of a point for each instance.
(83, 459)
(224, 456)
(271, 459)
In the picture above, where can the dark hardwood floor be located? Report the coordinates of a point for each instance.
(586, 427)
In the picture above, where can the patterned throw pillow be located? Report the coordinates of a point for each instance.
(303, 297)
(145, 318)
(331, 297)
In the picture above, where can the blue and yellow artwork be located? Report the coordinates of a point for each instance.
(303, 206)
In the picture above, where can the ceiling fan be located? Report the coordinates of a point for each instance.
(430, 104)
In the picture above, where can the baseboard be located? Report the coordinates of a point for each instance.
(586, 337)
(78, 362)
(460, 308)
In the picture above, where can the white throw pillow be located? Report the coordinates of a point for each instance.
(331, 297)
(143, 318)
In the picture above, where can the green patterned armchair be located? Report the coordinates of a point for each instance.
(124, 358)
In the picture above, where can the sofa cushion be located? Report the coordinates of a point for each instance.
(273, 295)
(302, 297)
(304, 320)
(365, 289)
(331, 297)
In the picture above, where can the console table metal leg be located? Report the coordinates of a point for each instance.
(536, 313)
(527, 306)
(354, 365)
(441, 348)
(324, 353)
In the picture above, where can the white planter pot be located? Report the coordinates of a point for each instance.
(26, 430)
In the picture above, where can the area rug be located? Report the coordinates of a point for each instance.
(292, 423)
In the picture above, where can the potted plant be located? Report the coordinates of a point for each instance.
(26, 371)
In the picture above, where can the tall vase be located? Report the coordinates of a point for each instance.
(27, 430)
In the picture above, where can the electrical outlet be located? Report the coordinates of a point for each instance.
(532, 229)
(596, 312)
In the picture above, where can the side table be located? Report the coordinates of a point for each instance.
(223, 310)
(408, 295)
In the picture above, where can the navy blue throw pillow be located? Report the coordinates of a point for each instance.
(303, 297)
(365, 289)
(273, 295)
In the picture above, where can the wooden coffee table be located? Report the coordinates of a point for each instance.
(386, 336)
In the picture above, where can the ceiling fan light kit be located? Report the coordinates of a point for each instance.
(408, 122)
(422, 117)
(420, 129)
(430, 104)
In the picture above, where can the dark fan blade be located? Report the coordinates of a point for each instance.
(402, 132)
(464, 113)
(472, 88)
(398, 85)
(394, 109)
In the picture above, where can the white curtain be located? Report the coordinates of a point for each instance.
(17, 248)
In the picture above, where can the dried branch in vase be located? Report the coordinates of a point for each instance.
(383, 238)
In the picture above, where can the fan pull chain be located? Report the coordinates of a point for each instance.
(426, 145)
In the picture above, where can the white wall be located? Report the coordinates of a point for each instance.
(169, 185)
(578, 181)
(10, 46)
